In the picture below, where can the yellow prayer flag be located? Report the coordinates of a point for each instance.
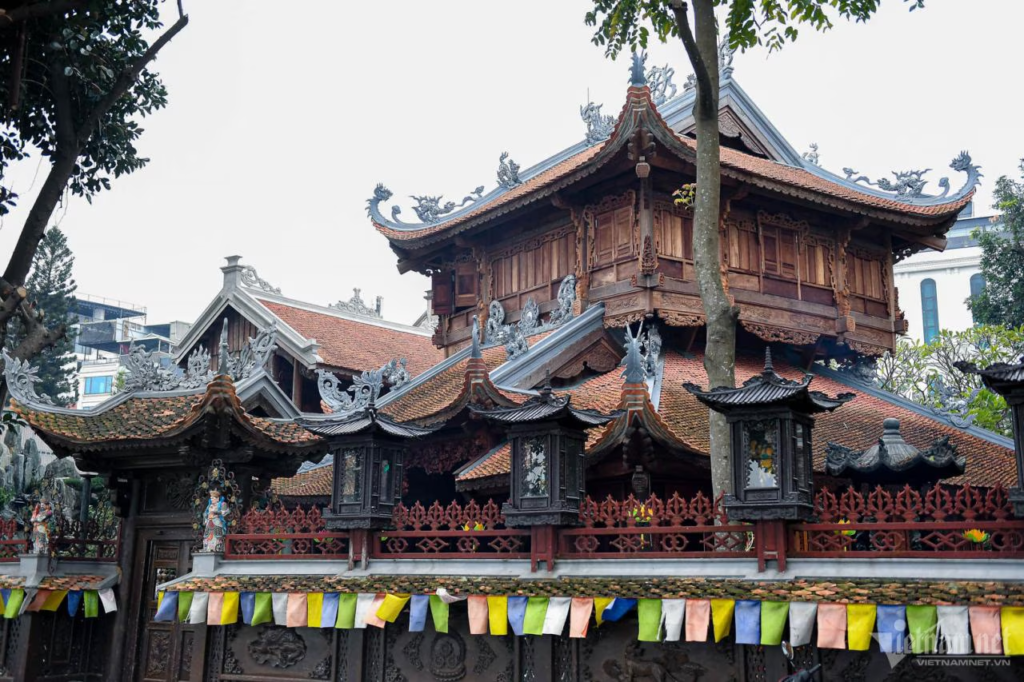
(229, 609)
(159, 600)
(497, 615)
(721, 616)
(600, 604)
(1013, 630)
(315, 609)
(392, 606)
(860, 623)
(53, 601)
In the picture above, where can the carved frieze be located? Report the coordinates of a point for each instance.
(623, 319)
(772, 333)
(681, 319)
(277, 647)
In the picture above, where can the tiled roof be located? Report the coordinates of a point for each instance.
(56, 582)
(857, 424)
(313, 483)
(497, 462)
(355, 345)
(762, 172)
(845, 592)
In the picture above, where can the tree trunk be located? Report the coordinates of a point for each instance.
(720, 350)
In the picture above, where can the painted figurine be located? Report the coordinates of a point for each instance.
(215, 525)
(41, 527)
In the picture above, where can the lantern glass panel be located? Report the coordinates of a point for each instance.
(386, 477)
(350, 476)
(535, 467)
(761, 451)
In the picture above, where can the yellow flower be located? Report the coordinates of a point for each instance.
(848, 533)
(976, 535)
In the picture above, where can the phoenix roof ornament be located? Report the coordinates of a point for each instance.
(909, 185)
(599, 126)
(659, 80)
(429, 209)
(508, 172)
(21, 380)
(254, 281)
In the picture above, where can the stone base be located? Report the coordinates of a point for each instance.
(206, 563)
(778, 511)
(336, 522)
(519, 518)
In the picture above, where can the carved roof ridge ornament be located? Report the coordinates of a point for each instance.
(725, 56)
(599, 126)
(812, 156)
(635, 362)
(637, 75)
(21, 380)
(357, 306)
(475, 350)
(908, 185)
(659, 80)
(365, 388)
(252, 280)
(893, 456)
(508, 172)
(496, 332)
(254, 354)
(428, 209)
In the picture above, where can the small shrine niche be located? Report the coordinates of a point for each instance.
(771, 420)
(547, 437)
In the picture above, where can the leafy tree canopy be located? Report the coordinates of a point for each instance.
(1002, 263)
(925, 372)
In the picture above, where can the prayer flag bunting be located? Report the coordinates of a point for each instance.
(860, 623)
(986, 630)
(108, 600)
(37, 601)
(5, 594)
(558, 612)
(329, 613)
(263, 608)
(346, 611)
(579, 616)
(831, 626)
(921, 622)
(721, 617)
(698, 616)
(600, 604)
(447, 597)
(75, 600)
(517, 614)
(892, 628)
(649, 615)
(229, 608)
(536, 610)
(298, 612)
(672, 613)
(167, 609)
(773, 622)
(247, 604)
(748, 622)
(1013, 630)
(314, 609)
(214, 606)
(617, 609)
(418, 612)
(280, 607)
(391, 606)
(477, 611)
(497, 615)
(54, 601)
(801, 622)
(439, 612)
(953, 629)
(371, 614)
(364, 602)
(196, 614)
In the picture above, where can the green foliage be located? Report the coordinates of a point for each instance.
(52, 290)
(916, 369)
(70, 62)
(772, 23)
(1002, 263)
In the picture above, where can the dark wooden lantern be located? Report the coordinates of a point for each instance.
(770, 420)
(548, 438)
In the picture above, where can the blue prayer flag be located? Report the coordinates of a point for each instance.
(617, 609)
(74, 601)
(247, 603)
(329, 614)
(517, 613)
(168, 610)
(892, 628)
(748, 622)
(418, 606)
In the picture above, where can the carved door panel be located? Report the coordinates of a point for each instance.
(164, 649)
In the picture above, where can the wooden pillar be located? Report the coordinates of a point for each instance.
(126, 562)
(296, 384)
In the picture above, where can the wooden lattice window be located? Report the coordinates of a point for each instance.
(614, 236)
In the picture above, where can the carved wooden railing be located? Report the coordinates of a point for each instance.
(12, 540)
(279, 533)
(452, 532)
(655, 528)
(99, 539)
(947, 521)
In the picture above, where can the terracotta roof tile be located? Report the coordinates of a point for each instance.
(313, 483)
(358, 346)
(822, 591)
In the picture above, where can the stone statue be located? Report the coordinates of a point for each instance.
(215, 524)
(41, 527)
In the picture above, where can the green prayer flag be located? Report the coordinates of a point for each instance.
(536, 611)
(649, 613)
(439, 612)
(922, 622)
(13, 606)
(346, 611)
(92, 604)
(263, 609)
(184, 605)
(773, 621)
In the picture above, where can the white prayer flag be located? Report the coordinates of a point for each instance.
(108, 600)
(197, 612)
(801, 622)
(448, 598)
(953, 629)
(363, 604)
(558, 611)
(672, 613)
(279, 605)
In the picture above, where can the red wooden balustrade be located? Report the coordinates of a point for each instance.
(453, 532)
(279, 533)
(946, 521)
(96, 541)
(655, 528)
(12, 541)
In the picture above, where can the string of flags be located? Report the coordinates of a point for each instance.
(15, 602)
(918, 629)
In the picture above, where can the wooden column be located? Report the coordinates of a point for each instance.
(126, 562)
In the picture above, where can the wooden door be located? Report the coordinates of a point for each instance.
(164, 650)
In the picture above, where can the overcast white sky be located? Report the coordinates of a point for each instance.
(281, 123)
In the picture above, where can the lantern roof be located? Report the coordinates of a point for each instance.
(364, 421)
(1001, 377)
(769, 389)
(546, 406)
(893, 459)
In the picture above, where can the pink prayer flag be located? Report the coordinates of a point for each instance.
(214, 608)
(477, 607)
(298, 610)
(371, 616)
(38, 601)
(831, 626)
(698, 616)
(986, 629)
(579, 616)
